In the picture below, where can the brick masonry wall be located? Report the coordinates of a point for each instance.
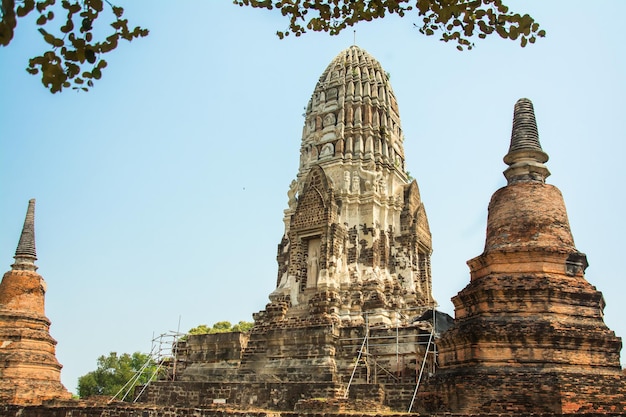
(117, 410)
(29, 370)
(283, 396)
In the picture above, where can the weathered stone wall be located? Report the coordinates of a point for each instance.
(218, 355)
(118, 410)
(294, 360)
(522, 392)
(264, 395)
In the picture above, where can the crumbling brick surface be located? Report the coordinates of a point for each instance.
(528, 214)
(529, 334)
(29, 370)
(134, 410)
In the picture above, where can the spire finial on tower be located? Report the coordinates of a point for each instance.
(525, 157)
(25, 254)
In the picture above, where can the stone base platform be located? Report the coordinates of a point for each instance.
(80, 409)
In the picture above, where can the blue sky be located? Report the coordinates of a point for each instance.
(160, 193)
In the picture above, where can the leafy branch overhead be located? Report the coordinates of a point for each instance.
(459, 21)
(75, 58)
(76, 55)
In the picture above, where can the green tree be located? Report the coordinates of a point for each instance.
(222, 327)
(243, 326)
(116, 373)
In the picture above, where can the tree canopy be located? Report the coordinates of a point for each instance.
(75, 58)
(75, 55)
(457, 21)
(117, 373)
(222, 327)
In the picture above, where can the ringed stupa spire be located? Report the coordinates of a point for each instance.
(26, 254)
(525, 158)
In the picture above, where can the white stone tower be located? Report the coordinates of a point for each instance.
(355, 223)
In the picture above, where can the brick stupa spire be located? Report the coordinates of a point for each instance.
(26, 254)
(525, 158)
(529, 333)
(29, 370)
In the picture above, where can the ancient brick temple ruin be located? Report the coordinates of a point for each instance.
(353, 267)
(529, 329)
(29, 370)
(351, 325)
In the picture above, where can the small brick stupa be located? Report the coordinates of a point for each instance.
(529, 333)
(29, 370)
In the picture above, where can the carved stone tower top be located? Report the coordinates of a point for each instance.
(353, 114)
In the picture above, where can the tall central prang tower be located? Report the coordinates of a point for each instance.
(355, 223)
(356, 248)
(353, 268)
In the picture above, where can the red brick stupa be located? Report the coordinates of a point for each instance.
(29, 370)
(529, 333)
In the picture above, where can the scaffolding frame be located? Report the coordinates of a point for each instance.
(163, 350)
(364, 352)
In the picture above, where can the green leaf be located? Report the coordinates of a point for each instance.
(118, 11)
(56, 42)
(68, 26)
(523, 42)
(25, 8)
(86, 25)
(90, 55)
(502, 31)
